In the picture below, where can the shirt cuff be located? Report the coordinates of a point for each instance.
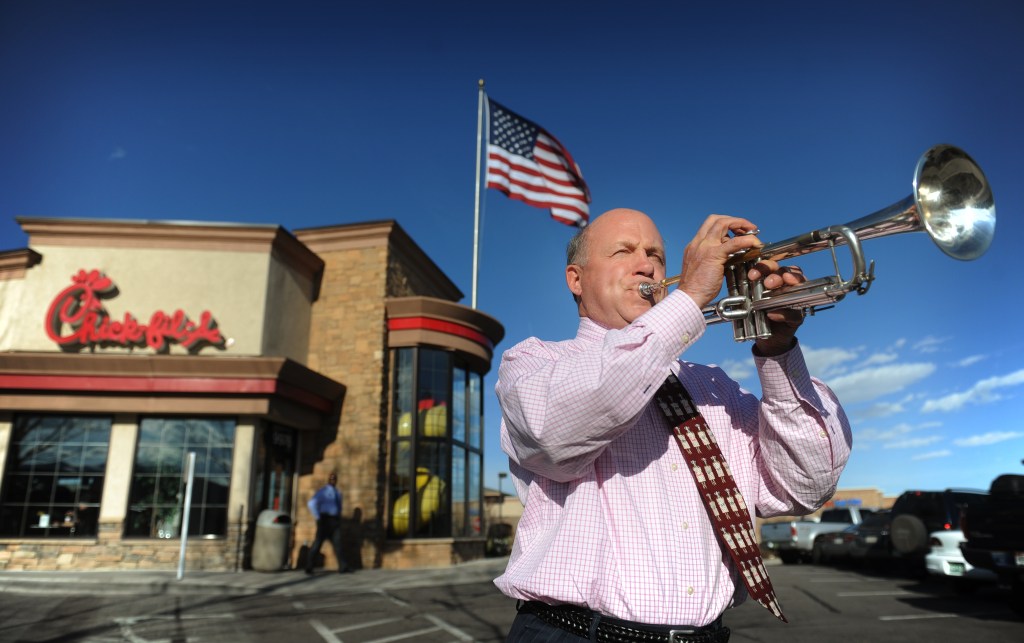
(677, 320)
(785, 376)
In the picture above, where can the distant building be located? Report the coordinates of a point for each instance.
(275, 357)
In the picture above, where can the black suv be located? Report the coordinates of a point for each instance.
(995, 535)
(916, 514)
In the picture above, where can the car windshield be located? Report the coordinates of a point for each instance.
(876, 520)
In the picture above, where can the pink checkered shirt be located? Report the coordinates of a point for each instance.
(613, 521)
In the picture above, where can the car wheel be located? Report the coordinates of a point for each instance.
(1017, 597)
(789, 557)
(908, 534)
(817, 556)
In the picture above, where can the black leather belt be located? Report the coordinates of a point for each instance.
(579, 621)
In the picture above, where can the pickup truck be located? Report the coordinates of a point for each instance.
(793, 541)
(994, 535)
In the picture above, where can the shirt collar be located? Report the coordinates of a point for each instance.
(590, 330)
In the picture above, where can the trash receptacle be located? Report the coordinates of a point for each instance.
(270, 544)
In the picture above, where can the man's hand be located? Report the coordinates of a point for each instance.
(705, 256)
(783, 322)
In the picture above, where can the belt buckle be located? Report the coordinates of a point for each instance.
(672, 634)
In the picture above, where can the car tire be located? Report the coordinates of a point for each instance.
(908, 534)
(789, 557)
(817, 556)
(1017, 597)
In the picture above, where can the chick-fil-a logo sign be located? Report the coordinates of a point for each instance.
(76, 319)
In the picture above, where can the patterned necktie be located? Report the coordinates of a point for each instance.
(724, 503)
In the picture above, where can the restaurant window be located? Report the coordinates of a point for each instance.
(156, 499)
(436, 456)
(53, 479)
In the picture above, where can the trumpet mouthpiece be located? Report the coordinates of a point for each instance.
(648, 288)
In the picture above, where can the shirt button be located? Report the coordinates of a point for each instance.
(675, 466)
(689, 591)
(686, 338)
(686, 526)
(821, 433)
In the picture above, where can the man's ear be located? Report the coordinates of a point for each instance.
(573, 277)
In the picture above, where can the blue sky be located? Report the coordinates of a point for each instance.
(797, 115)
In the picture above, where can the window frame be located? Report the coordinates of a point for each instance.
(158, 485)
(409, 441)
(77, 517)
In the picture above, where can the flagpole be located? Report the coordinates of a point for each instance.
(476, 206)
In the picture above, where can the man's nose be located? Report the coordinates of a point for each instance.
(644, 264)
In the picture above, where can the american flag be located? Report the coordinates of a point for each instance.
(527, 163)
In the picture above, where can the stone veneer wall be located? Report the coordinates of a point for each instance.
(108, 551)
(347, 343)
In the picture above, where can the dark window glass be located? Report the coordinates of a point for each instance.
(156, 498)
(54, 475)
(436, 446)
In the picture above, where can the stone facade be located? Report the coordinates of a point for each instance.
(109, 552)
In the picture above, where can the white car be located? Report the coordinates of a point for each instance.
(945, 560)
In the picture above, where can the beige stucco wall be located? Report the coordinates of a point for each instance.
(118, 479)
(287, 315)
(12, 293)
(241, 468)
(260, 306)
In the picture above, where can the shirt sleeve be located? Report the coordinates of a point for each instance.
(313, 508)
(563, 404)
(803, 440)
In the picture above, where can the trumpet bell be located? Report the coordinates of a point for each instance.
(954, 202)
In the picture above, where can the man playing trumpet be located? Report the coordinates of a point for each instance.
(616, 541)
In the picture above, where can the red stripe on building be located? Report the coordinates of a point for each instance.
(447, 327)
(162, 385)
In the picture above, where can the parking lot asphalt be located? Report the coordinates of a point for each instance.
(291, 582)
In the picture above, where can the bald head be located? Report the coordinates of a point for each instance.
(607, 260)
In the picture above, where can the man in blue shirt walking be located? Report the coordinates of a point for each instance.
(325, 505)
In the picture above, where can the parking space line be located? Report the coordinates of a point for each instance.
(362, 626)
(916, 617)
(457, 633)
(330, 635)
(892, 593)
(392, 598)
(405, 635)
(325, 633)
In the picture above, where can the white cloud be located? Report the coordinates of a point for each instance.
(983, 392)
(739, 369)
(944, 453)
(912, 443)
(892, 432)
(880, 358)
(929, 344)
(968, 361)
(985, 439)
(870, 383)
(881, 410)
(822, 362)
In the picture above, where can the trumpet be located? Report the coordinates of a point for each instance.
(951, 201)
